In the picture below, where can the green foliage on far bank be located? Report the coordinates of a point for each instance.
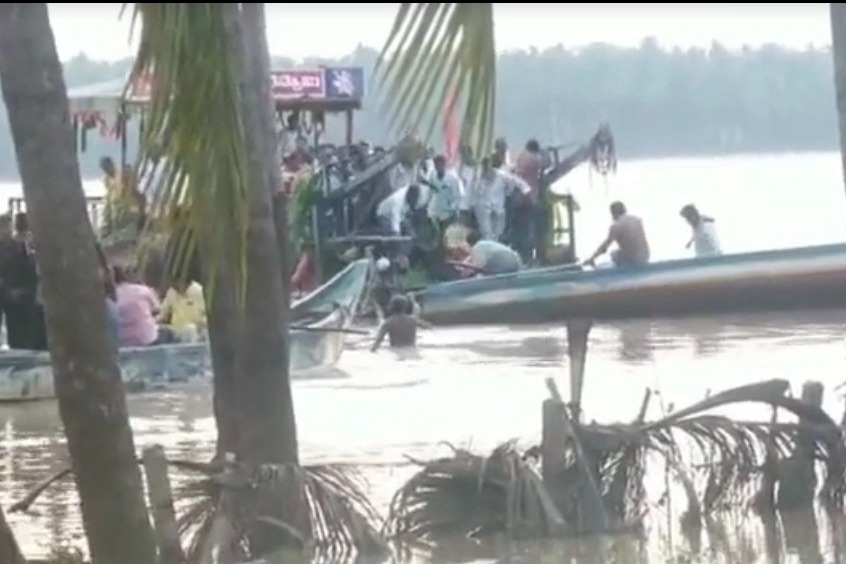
(659, 101)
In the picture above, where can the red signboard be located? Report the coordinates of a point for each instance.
(291, 84)
(141, 89)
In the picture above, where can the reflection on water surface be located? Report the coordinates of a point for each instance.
(480, 386)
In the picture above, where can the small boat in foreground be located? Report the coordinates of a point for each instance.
(799, 278)
(324, 315)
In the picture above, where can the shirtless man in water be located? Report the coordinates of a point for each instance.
(400, 326)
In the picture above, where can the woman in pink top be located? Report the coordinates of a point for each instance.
(137, 307)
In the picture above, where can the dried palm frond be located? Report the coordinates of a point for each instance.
(473, 495)
(341, 521)
(438, 52)
(469, 494)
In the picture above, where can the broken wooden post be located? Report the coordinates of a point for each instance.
(161, 504)
(797, 475)
(218, 544)
(559, 437)
(577, 340)
(10, 553)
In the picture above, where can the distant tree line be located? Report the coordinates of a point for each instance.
(659, 102)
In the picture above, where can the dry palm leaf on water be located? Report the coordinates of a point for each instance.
(467, 494)
(341, 521)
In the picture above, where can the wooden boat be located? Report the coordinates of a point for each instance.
(799, 278)
(324, 314)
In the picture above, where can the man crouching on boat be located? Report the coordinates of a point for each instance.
(627, 232)
(492, 257)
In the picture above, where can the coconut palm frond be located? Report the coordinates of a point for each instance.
(194, 124)
(471, 495)
(436, 51)
(724, 462)
(341, 521)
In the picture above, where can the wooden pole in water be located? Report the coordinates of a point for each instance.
(160, 498)
(577, 341)
(797, 478)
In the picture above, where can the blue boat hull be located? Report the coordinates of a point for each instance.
(808, 277)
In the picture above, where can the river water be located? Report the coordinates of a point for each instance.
(483, 386)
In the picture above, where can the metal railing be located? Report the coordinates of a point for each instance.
(94, 204)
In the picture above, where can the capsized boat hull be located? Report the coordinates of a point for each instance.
(28, 375)
(807, 277)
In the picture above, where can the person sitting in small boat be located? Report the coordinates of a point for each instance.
(138, 307)
(704, 236)
(400, 326)
(184, 311)
(492, 257)
(627, 232)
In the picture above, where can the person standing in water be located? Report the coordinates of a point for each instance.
(400, 326)
(704, 237)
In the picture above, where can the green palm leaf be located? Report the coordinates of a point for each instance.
(195, 117)
(436, 51)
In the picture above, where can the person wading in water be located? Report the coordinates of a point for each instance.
(400, 326)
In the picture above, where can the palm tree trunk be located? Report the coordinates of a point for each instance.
(9, 551)
(88, 384)
(838, 39)
(268, 432)
(222, 308)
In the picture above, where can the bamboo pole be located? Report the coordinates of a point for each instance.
(10, 553)
(160, 497)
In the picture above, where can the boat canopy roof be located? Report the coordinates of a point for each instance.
(105, 97)
(329, 89)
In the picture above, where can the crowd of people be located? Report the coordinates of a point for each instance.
(494, 199)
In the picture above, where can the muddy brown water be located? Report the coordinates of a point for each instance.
(477, 387)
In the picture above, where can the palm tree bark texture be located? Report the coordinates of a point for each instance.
(838, 39)
(88, 384)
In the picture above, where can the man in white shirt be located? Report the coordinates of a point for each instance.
(493, 186)
(447, 199)
(467, 170)
(392, 211)
(704, 237)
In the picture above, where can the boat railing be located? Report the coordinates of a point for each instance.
(95, 205)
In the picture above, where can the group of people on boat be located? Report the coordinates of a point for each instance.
(139, 317)
(494, 197)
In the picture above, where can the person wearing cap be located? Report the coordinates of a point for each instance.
(627, 232)
(704, 233)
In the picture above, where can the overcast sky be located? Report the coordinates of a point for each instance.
(299, 30)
